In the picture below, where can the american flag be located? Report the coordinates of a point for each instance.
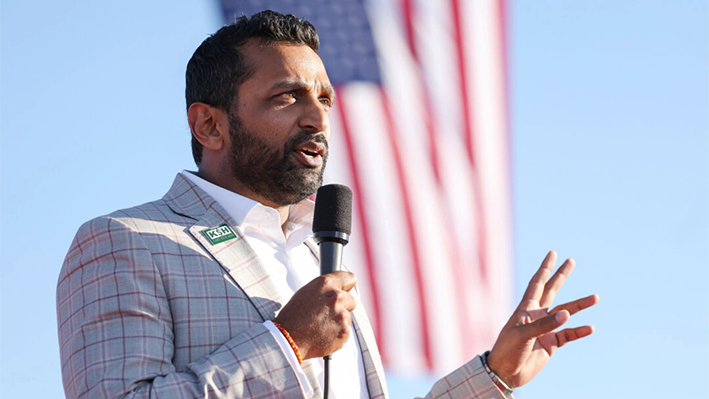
(420, 134)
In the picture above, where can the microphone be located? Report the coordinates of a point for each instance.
(332, 224)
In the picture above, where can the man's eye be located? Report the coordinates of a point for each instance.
(326, 101)
(289, 94)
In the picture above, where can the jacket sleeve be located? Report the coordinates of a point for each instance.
(468, 381)
(116, 330)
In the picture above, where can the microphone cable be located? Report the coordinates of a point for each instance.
(326, 377)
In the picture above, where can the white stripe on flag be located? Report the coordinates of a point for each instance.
(463, 306)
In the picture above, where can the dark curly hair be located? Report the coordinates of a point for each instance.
(218, 67)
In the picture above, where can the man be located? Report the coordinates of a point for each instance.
(213, 291)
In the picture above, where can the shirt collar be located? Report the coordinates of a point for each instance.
(239, 207)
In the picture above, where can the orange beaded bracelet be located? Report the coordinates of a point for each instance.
(290, 341)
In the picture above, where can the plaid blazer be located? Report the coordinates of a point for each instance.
(147, 306)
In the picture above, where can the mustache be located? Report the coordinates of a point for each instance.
(305, 136)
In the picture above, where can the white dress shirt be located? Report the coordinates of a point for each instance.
(291, 265)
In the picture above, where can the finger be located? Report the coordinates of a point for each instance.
(574, 307)
(342, 317)
(544, 325)
(556, 282)
(348, 301)
(536, 284)
(342, 334)
(572, 334)
(340, 279)
(339, 300)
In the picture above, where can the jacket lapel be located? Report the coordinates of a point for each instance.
(226, 244)
(373, 368)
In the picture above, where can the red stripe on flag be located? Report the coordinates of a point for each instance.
(466, 325)
(463, 76)
(502, 29)
(469, 138)
(369, 262)
(408, 11)
(413, 241)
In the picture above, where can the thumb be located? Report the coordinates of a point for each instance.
(342, 279)
(545, 324)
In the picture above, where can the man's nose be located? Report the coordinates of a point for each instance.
(315, 116)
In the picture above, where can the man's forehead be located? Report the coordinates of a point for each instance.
(285, 64)
(281, 53)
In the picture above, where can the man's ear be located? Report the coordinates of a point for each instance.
(209, 125)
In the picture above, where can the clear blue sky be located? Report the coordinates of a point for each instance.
(610, 127)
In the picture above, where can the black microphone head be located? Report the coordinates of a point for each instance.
(333, 209)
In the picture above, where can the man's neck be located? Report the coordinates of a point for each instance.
(236, 187)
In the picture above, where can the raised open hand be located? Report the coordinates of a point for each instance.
(528, 340)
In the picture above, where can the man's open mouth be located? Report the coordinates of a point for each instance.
(311, 153)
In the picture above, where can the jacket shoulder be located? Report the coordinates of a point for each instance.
(119, 226)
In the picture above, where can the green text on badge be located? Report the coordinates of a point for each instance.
(219, 234)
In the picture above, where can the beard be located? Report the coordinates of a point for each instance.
(272, 172)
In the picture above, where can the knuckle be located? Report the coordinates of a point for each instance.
(330, 298)
(338, 296)
(327, 279)
(347, 318)
(321, 282)
(343, 319)
(340, 318)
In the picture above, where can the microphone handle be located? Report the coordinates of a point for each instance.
(331, 244)
(330, 261)
(330, 256)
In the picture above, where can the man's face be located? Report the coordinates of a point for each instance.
(278, 125)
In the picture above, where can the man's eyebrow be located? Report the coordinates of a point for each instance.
(299, 84)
